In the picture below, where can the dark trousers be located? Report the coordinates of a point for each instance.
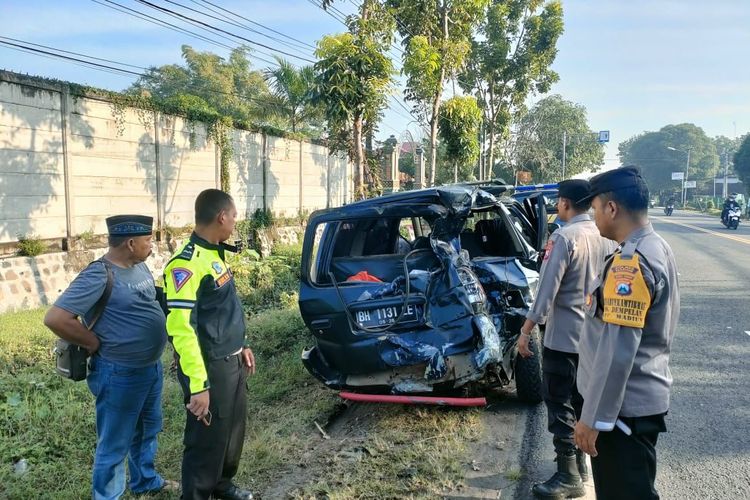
(212, 452)
(561, 396)
(625, 468)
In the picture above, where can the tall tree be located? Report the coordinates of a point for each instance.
(353, 79)
(539, 141)
(292, 90)
(459, 121)
(742, 161)
(666, 151)
(229, 86)
(512, 61)
(437, 36)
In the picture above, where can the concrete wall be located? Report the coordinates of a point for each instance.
(29, 282)
(67, 163)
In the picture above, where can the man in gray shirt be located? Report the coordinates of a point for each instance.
(572, 259)
(125, 343)
(631, 317)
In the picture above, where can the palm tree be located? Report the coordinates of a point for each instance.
(291, 91)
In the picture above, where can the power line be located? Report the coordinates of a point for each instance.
(232, 41)
(214, 28)
(173, 27)
(255, 23)
(224, 19)
(411, 114)
(121, 71)
(74, 53)
(83, 65)
(70, 58)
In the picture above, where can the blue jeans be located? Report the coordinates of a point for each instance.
(128, 419)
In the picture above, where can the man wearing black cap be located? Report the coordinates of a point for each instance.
(631, 317)
(125, 343)
(206, 324)
(573, 258)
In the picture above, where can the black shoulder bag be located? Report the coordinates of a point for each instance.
(71, 359)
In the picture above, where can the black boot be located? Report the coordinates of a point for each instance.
(233, 493)
(565, 483)
(583, 466)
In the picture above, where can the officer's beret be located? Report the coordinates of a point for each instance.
(614, 180)
(574, 189)
(129, 225)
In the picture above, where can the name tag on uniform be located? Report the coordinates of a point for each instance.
(224, 274)
(223, 279)
(626, 296)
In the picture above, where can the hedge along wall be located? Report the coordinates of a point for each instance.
(68, 162)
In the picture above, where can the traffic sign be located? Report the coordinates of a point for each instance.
(689, 184)
(604, 136)
(678, 176)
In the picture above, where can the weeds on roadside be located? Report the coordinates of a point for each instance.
(263, 283)
(49, 421)
(412, 452)
(30, 245)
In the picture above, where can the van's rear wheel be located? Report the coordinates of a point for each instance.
(528, 373)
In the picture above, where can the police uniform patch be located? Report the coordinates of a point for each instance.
(217, 267)
(180, 276)
(548, 248)
(626, 295)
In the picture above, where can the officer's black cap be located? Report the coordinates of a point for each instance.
(614, 180)
(574, 189)
(130, 225)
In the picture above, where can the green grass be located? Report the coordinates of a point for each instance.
(514, 475)
(405, 452)
(412, 452)
(50, 421)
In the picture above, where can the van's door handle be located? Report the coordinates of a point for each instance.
(320, 324)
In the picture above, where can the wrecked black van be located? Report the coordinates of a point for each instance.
(423, 291)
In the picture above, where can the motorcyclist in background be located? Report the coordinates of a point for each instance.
(729, 203)
(669, 207)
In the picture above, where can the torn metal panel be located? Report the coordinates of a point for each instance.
(462, 311)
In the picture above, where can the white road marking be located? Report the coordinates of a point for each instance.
(690, 226)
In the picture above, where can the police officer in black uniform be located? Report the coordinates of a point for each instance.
(631, 317)
(206, 325)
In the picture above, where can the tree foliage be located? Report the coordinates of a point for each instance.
(538, 147)
(437, 36)
(459, 121)
(228, 86)
(292, 91)
(512, 60)
(651, 152)
(353, 78)
(742, 160)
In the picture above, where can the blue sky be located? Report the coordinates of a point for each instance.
(636, 65)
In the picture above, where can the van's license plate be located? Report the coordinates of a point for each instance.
(383, 316)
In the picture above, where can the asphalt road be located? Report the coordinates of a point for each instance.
(706, 452)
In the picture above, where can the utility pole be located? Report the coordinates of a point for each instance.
(726, 171)
(685, 178)
(565, 143)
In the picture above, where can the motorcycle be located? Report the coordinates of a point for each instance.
(669, 209)
(732, 218)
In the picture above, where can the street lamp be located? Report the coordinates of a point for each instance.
(687, 167)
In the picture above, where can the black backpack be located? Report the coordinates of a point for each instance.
(71, 359)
